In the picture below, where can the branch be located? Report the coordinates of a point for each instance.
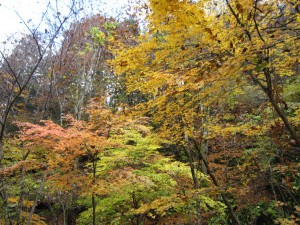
(11, 70)
(255, 22)
(12, 101)
(21, 18)
(238, 20)
(44, 14)
(257, 81)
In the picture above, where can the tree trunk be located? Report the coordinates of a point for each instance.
(1, 152)
(204, 149)
(94, 182)
(94, 209)
(269, 90)
(195, 181)
(37, 198)
(285, 121)
(20, 203)
(214, 180)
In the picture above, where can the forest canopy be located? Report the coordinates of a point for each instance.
(181, 112)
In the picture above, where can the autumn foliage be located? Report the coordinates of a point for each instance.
(193, 117)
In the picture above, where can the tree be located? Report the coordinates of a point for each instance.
(20, 66)
(31, 50)
(198, 58)
(78, 69)
(117, 158)
(195, 122)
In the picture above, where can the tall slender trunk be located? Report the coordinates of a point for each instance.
(3, 195)
(270, 92)
(93, 195)
(20, 203)
(1, 152)
(64, 213)
(285, 121)
(195, 181)
(37, 198)
(7, 220)
(204, 149)
(45, 108)
(215, 182)
(94, 208)
(22, 190)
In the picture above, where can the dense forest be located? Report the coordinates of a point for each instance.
(180, 112)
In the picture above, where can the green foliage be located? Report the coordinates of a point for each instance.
(141, 182)
(98, 36)
(291, 90)
(296, 182)
(19, 177)
(262, 212)
(110, 26)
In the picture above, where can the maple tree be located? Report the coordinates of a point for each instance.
(117, 158)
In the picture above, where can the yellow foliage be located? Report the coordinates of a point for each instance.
(26, 203)
(198, 52)
(35, 219)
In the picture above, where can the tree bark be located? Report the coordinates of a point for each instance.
(37, 198)
(94, 183)
(1, 151)
(268, 88)
(214, 180)
(285, 121)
